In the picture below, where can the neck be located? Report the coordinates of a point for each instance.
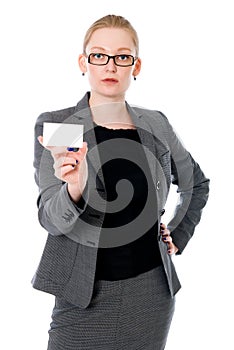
(110, 113)
(98, 99)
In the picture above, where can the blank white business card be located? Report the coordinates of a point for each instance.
(60, 134)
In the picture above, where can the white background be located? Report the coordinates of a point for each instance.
(187, 52)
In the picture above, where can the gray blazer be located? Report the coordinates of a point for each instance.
(68, 263)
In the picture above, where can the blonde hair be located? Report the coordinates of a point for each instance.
(112, 21)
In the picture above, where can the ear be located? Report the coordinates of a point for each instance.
(82, 63)
(137, 67)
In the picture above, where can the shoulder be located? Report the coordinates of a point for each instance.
(158, 124)
(55, 116)
(59, 116)
(150, 114)
(153, 117)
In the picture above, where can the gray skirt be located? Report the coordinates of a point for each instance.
(129, 314)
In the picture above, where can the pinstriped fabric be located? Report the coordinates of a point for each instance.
(131, 314)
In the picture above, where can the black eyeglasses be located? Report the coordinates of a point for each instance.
(100, 59)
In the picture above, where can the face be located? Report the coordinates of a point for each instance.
(110, 81)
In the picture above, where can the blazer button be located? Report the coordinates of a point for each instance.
(158, 185)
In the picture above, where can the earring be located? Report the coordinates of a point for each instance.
(83, 74)
(134, 78)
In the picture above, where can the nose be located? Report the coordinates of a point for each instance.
(111, 67)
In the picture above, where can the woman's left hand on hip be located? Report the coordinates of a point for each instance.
(166, 238)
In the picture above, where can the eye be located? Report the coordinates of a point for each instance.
(97, 56)
(123, 57)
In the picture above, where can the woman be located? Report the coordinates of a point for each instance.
(107, 258)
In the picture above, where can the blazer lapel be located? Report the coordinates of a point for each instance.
(95, 180)
(147, 139)
(151, 137)
(83, 115)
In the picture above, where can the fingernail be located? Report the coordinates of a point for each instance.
(72, 149)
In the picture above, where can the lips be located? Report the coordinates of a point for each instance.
(110, 80)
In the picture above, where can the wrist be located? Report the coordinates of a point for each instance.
(74, 191)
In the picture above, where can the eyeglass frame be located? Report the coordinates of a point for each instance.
(113, 57)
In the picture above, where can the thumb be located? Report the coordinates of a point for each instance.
(40, 139)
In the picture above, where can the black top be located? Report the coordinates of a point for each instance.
(132, 245)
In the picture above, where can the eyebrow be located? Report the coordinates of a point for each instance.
(118, 50)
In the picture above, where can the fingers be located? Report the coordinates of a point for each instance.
(72, 156)
(162, 226)
(172, 249)
(67, 160)
(77, 153)
(67, 163)
(63, 166)
(58, 150)
(62, 152)
(63, 171)
(167, 239)
(64, 161)
(165, 233)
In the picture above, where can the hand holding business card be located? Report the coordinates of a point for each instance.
(71, 167)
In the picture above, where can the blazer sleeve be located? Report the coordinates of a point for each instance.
(57, 213)
(192, 186)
